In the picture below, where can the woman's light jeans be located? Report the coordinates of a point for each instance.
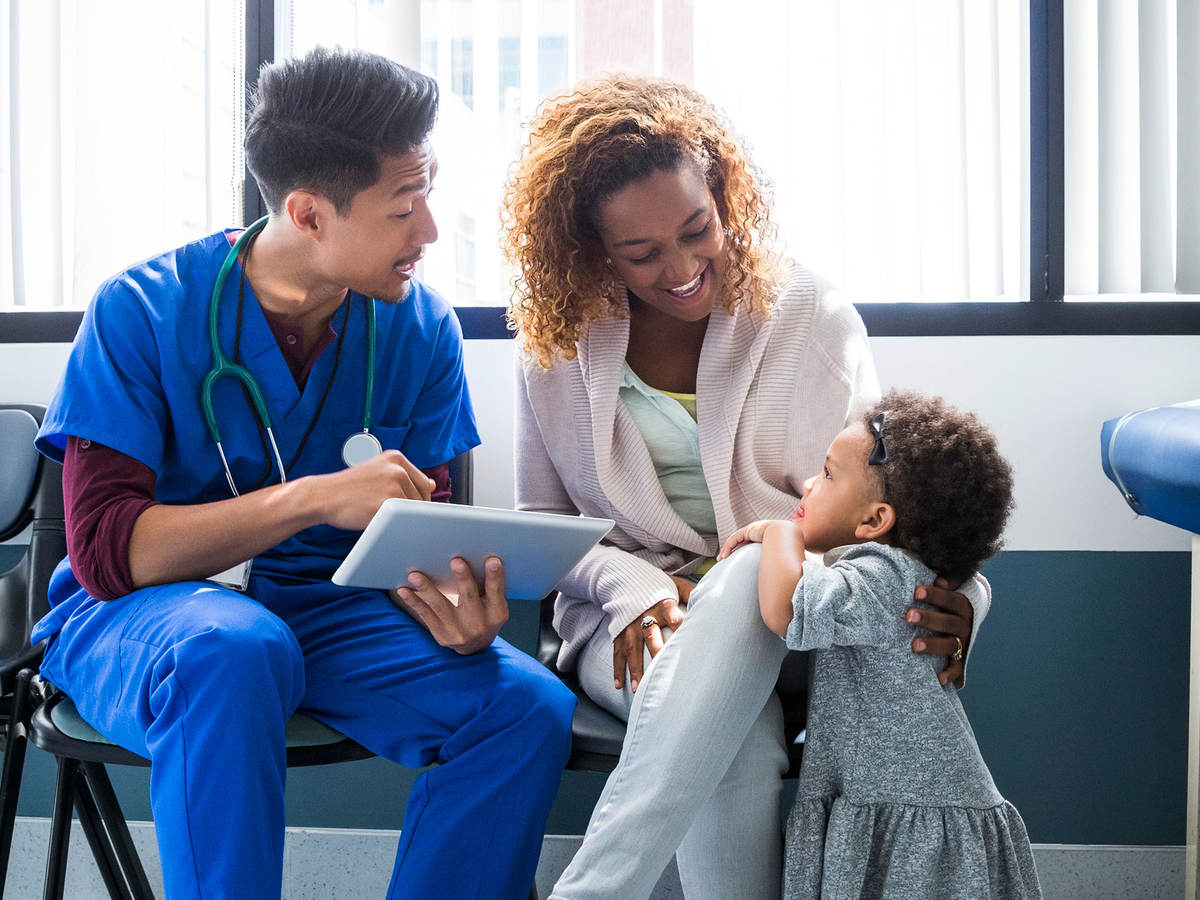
(702, 764)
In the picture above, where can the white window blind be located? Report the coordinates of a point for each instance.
(120, 138)
(892, 130)
(1132, 147)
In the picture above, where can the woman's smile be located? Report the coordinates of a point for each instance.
(691, 289)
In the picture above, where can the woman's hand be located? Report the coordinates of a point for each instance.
(747, 534)
(684, 586)
(645, 630)
(951, 621)
(466, 626)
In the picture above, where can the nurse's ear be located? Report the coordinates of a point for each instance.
(306, 211)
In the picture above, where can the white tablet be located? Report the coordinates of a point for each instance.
(537, 549)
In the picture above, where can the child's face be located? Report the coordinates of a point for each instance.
(842, 497)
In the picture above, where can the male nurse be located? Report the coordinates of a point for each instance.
(200, 676)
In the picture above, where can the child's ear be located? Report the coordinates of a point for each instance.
(880, 518)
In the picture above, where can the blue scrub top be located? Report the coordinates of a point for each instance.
(133, 383)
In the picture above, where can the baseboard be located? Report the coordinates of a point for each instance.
(335, 863)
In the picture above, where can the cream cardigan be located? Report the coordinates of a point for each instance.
(771, 393)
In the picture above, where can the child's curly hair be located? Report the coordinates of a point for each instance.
(946, 480)
(585, 146)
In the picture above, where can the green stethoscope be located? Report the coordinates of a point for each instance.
(359, 447)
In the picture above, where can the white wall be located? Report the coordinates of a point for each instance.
(1046, 398)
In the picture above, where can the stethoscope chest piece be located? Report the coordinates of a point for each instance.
(359, 447)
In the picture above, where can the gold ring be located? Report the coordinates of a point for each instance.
(649, 622)
(957, 655)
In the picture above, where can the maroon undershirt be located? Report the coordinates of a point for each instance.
(104, 490)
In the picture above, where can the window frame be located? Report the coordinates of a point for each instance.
(1045, 312)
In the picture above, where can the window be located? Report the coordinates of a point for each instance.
(957, 150)
(125, 139)
(892, 131)
(1132, 185)
(464, 260)
(552, 64)
(510, 71)
(462, 62)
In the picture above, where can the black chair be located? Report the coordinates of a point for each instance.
(597, 735)
(30, 496)
(82, 754)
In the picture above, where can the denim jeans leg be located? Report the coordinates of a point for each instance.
(705, 703)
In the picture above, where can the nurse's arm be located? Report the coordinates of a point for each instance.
(185, 542)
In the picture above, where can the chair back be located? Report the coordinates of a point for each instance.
(462, 479)
(549, 642)
(30, 495)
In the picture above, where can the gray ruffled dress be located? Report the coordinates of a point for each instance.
(894, 798)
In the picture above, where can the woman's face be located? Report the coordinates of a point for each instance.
(666, 242)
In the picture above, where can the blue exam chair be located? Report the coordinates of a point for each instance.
(1153, 457)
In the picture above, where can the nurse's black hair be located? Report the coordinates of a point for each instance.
(942, 473)
(321, 123)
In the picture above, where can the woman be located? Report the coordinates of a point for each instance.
(671, 359)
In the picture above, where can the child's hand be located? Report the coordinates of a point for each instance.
(748, 534)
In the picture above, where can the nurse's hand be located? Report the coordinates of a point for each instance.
(352, 496)
(470, 625)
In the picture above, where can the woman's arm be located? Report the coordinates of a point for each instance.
(958, 611)
(625, 586)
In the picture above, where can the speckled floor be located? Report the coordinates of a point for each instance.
(331, 864)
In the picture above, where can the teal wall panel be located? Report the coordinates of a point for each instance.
(1077, 691)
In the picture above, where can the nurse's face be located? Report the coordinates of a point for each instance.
(375, 247)
(665, 240)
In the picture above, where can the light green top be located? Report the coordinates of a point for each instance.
(667, 423)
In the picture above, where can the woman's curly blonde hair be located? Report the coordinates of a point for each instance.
(585, 146)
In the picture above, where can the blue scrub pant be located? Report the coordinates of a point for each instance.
(201, 680)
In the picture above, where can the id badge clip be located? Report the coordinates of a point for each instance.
(235, 577)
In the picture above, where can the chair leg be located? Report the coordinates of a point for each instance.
(60, 830)
(102, 849)
(14, 765)
(118, 830)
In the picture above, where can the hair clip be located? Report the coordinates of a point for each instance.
(879, 453)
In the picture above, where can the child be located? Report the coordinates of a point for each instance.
(913, 490)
